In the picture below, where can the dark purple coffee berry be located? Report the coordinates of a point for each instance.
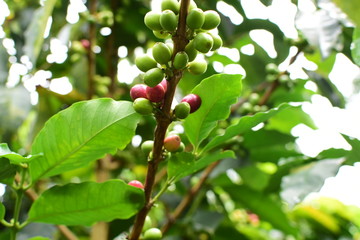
(194, 101)
(155, 94)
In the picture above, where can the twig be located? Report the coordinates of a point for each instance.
(90, 53)
(163, 120)
(189, 197)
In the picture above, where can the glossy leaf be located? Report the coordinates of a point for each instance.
(82, 133)
(355, 51)
(245, 124)
(217, 93)
(34, 34)
(87, 203)
(351, 8)
(354, 155)
(2, 211)
(267, 209)
(183, 164)
(15, 158)
(7, 171)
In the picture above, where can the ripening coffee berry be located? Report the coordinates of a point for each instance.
(136, 183)
(164, 84)
(145, 63)
(172, 5)
(147, 146)
(152, 21)
(203, 42)
(172, 143)
(161, 53)
(197, 67)
(193, 100)
(138, 91)
(181, 59)
(143, 106)
(218, 42)
(168, 20)
(212, 20)
(152, 234)
(155, 94)
(161, 34)
(195, 19)
(153, 77)
(182, 110)
(191, 51)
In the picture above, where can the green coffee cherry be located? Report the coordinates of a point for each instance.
(195, 19)
(218, 42)
(153, 77)
(152, 234)
(284, 78)
(181, 59)
(197, 67)
(254, 98)
(181, 148)
(212, 20)
(168, 20)
(203, 42)
(147, 146)
(191, 51)
(143, 106)
(161, 34)
(192, 5)
(152, 21)
(172, 5)
(161, 53)
(145, 63)
(182, 110)
(147, 223)
(272, 68)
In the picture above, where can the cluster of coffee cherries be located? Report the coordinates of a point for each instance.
(159, 67)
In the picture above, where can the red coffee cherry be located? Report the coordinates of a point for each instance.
(194, 101)
(155, 94)
(164, 84)
(138, 91)
(172, 143)
(136, 183)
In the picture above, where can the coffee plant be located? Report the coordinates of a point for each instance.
(189, 148)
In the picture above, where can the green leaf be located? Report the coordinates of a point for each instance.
(267, 209)
(2, 211)
(245, 124)
(34, 34)
(351, 8)
(355, 49)
(7, 171)
(87, 203)
(183, 164)
(39, 238)
(354, 155)
(15, 158)
(84, 132)
(217, 94)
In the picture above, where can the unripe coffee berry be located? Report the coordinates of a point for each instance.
(197, 67)
(182, 110)
(168, 20)
(145, 63)
(138, 91)
(172, 5)
(143, 106)
(172, 143)
(155, 94)
(194, 101)
(161, 34)
(152, 21)
(136, 183)
(191, 51)
(218, 42)
(153, 77)
(195, 19)
(152, 234)
(212, 20)
(161, 53)
(203, 42)
(181, 60)
(147, 223)
(147, 146)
